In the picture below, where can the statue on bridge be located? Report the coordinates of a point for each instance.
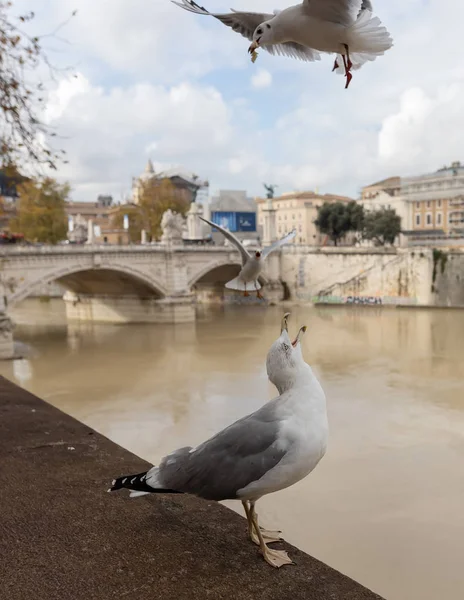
(270, 189)
(172, 224)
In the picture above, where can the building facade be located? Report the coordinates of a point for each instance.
(189, 184)
(297, 210)
(435, 202)
(383, 195)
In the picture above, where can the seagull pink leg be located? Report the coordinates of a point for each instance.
(348, 65)
(336, 65)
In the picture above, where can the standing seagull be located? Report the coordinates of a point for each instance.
(267, 451)
(344, 27)
(251, 265)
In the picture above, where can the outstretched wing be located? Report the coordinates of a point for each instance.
(245, 23)
(343, 12)
(293, 50)
(278, 244)
(231, 237)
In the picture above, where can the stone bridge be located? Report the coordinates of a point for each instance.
(124, 283)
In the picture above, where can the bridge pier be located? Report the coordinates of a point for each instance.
(6, 337)
(129, 309)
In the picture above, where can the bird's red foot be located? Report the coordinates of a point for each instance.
(336, 65)
(260, 296)
(246, 293)
(349, 77)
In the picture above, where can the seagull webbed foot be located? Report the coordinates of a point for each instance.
(268, 536)
(276, 558)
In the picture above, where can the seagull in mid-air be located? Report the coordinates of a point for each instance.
(251, 265)
(267, 451)
(344, 27)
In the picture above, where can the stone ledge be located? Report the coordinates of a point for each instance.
(64, 538)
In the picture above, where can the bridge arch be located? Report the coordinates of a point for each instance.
(69, 277)
(232, 268)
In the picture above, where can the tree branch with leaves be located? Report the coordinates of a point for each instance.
(24, 137)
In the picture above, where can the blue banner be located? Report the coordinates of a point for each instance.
(235, 221)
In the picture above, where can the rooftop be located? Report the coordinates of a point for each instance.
(390, 182)
(307, 195)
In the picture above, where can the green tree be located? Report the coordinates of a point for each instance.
(155, 197)
(24, 136)
(382, 226)
(336, 219)
(41, 211)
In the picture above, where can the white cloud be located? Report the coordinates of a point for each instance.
(426, 130)
(159, 81)
(262, 79)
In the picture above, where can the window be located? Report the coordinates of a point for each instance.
(439, 218)
(301, 240)
(428, 203)
(417, 205)
(299, 227)
(439, 203)
(285, 217)
(418, 219)
(293, 216)
(428, 219)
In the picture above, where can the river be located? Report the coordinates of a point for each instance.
(385, 505)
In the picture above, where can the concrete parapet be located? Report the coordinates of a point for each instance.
(64, 538)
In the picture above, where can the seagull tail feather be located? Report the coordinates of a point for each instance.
(367, 35)
(138, 486)
(240, 286)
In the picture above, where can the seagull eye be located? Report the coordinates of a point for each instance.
(268, 26)
(259, 31)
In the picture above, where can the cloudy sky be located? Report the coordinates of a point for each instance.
(152, 80)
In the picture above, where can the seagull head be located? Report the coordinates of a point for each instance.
(262, 35)
(284, 360)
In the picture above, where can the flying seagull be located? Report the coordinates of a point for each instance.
(251, 265)
(267, 451)
(344, 27)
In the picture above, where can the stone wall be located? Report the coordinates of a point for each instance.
(370, 276)
(448, 278)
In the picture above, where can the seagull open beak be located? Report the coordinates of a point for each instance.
(254, 46)
(299, 335)
(284, 324)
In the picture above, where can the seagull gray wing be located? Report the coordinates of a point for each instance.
(278, 244)
(229, 461)
(293, 50)
(232, 239)
(245, 23)
(343, 12)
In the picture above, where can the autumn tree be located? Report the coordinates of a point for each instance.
(382, 226)
(155, 197)
(336, 219)
(24, 137)
(41, 211)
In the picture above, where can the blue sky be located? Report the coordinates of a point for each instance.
(155, 81)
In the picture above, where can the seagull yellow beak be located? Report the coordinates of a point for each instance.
(284, 324)
(254, 46)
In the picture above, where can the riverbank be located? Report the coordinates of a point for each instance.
(65, 538)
